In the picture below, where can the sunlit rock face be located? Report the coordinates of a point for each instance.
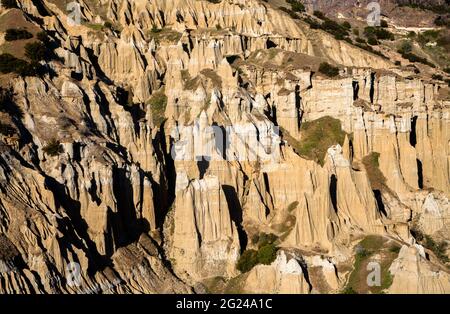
(165, 139)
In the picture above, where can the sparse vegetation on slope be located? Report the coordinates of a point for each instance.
(6, 130)
(7, 104)
(158, 103)
(9, 64)
(371, 249)
(9, 4)
(53, 148)
(328, 69)
(17, 34)
(265, 254)
(372, 166)
(317, 136)
(438, 248)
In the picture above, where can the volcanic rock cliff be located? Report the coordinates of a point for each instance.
(167, 145)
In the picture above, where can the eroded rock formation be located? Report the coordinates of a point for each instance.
(165, 135)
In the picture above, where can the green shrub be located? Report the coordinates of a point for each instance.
(247, 260)
(406, 47)
(7, 104)
(437, 77)
(384, 34)
(291, 13)
(348, 290)
(442, 21)
(53, 148)
(347, 25)
(6, 130)
(378, 33)
(319, 15)
(328, 69)
(334, 28)
(9, 4)
(36, 51)
(370, 49)
(267, 254)
(155, 29)
(411, 34)
(439, 249)
(362, 253)
(372, 41)
(9, 64)
(266, 239)
(17, 34)
(360, 40)
(296, 5)
(406, 51)
(384, 23)
(6, 96)
(427, 5)
(317, 136)
(312, 23)
(414, 58)
(43, 37)
(395, 249)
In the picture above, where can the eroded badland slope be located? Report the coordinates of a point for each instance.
(177, 146)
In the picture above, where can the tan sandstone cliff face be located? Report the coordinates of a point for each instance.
(174, 155)
(204, 241)
(413, 275)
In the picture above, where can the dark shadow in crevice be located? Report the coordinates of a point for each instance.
(236, 213)
(96, 262)
(232, 59)
(202, 165)
(221, 140)
(413, 134)
(372, 87)
(419, 174)
(304, 267)
(267, 187)
(298, 101)
(164, 190)
(270, 44)
(333, 192)
(126, 226)
(355, 85)
(41, 8)
(379, 199)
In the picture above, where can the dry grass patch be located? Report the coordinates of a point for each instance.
(372, 166)
(316, 137)
(14, 19)
(372, 248)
